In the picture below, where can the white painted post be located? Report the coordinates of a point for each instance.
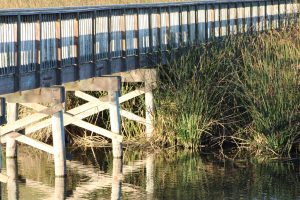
(58, 134)
(149, 108)
(116, 185)
(12, 183)
(115, 122)
(150, 176)
(11, 144)
(60, 188)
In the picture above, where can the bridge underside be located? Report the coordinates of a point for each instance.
(55, 115)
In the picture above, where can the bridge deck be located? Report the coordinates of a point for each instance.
(44, 47)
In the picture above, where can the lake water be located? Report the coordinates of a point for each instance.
(94, 174)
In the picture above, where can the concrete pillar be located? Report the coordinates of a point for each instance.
(115, 122)
(116, 185)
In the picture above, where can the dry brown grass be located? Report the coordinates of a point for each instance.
(64, 3)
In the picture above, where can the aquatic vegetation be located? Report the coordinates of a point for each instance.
(241, 90)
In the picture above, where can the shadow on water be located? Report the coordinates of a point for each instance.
(94, 174)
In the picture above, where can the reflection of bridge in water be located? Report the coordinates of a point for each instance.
(94, 180)
(47, 52)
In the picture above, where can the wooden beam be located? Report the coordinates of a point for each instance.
(40, 95)
(95, 84)
(3, 178)
(80, 112)
(138, 75)
(21, 123)
(69, 119)
(29, 141)
(123, 112)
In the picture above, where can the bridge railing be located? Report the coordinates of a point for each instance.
(44, 47)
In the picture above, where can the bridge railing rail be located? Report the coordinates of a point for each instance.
(44, 47)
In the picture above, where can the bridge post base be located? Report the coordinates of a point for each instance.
(30, 98)
(149, 78)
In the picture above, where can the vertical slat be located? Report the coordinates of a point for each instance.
(38, 38)
(150, 12)
(137, 28)
(94, 43)
(109, 42)
(77, 46)
(2, 112)
(58, 46)
(17, 71)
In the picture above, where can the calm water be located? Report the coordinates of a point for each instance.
(93, 174)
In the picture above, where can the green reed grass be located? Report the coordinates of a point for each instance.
(241, 90)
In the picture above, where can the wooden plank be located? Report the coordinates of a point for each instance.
(40, 95)
(29, 141)
(95, 84)
(21, 123)
(3, 178)
(138, 75)
(53, 109)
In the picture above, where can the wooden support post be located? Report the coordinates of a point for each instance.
(116, 185)
(115, 122)
(59, 140)
(150, 176)
(11, 143)
(149, 108)
(2, 111)
(60, 188)
(12, 183)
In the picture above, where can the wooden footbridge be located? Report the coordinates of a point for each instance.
(45, 53)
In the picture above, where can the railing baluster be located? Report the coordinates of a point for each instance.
(94, 43)
(77, 46)
(17, 71)
(58, 48)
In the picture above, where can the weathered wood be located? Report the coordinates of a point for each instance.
(150, 176)
(116, 185)
(3, 178)
(35, 143)
(149, 104)
(95, 84)
(53, 109)
(58, 134)
(60, 188)
(70, 119)
(138, 75)
(124, 113)
(12, 117)
(80, 112)
(11, 147)
(12, 182)
(115, 123)
(40, 95)
(21, 123)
